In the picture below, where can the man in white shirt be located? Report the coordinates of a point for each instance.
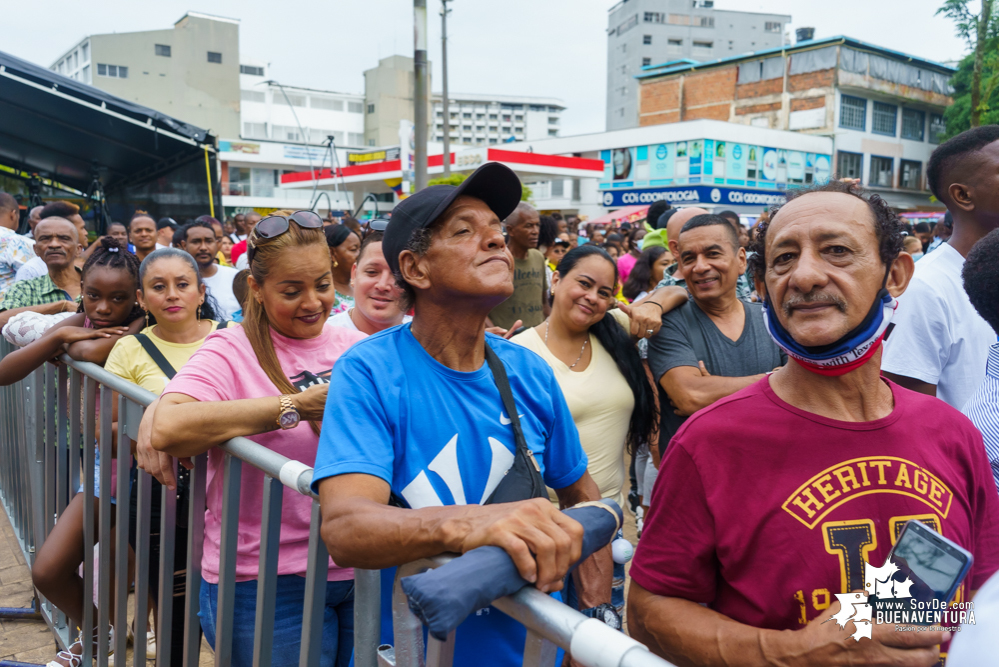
(15, 250)
(199, 241)
(939, 344)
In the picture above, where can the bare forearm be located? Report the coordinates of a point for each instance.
(688, 634)
(700, 392)
(20, 363)
(191, 428)
(668, 297)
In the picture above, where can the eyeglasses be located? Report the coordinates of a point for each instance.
(276, 225)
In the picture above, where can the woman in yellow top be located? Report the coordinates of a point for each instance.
(179, 317)
(598, 368)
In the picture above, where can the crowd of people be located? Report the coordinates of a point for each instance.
(774, 401)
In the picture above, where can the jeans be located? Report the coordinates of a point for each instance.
(338, 621)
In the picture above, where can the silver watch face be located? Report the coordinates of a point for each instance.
(611, 618)
(288, 419)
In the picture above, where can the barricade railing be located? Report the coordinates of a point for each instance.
(49, 424)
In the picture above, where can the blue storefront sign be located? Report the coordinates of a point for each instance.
(692, 194)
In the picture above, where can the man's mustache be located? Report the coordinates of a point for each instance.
(813, 298)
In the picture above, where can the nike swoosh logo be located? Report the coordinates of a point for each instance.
(506, 421)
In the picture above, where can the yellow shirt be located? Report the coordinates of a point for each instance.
(601, 403)
(130, 361)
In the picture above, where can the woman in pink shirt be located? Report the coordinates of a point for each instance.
(627, 261)
(259, 381)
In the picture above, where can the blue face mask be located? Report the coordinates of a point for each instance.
(846, 354)
(916, 255)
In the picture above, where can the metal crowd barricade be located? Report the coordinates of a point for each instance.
(49, 424)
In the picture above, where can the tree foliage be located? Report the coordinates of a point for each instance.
(958, 115)
(979, 31)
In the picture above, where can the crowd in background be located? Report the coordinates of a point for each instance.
(772, 396)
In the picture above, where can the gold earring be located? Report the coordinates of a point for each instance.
(335, 263)
(198, 312)
(147, 319)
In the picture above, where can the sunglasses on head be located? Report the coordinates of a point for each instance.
(276, 225)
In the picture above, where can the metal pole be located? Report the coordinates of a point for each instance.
(445, 104)
(420, 92)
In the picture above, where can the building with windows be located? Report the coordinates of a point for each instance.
(269, 110)
(643, 33)
(883, 109)
(189, 71)
(480, 120)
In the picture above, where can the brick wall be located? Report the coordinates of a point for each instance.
(659, 96)
(659, 118)
(760, 88)
(710, 87)
(757, 108)
(805, 103)
(819, 79)
(710, 112)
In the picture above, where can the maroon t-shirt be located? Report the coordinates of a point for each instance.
(764, 511)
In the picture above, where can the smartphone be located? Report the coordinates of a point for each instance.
(936, 565)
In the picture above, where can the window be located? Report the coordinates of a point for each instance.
(883, 118)
(466, 115)
(627, 25)
(553, 120)
(881, 171)
(466, 128)
(371, 142)
(86, 52)
(703, 21)
(913, 122)
(493, 116)
(296, 100)
(937, 128)
(912, 173)
(286, 133)
(250, 69)
(113, 71)
(252, 96)
(255, 130)
(357, 139)
(552, 133)
(654, 17)
(326, 103)
(371, 108)
(162, 50)
(678, 19)
(356, 107)
(558, 188)
(646, 39)
(646, 62)
(852, 115)
(772, 26)
(702, 48)
(214, 57)
(849, 165)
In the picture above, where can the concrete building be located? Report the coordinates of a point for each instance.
(388, 99)
(642, 33)
(190, 71)
(480, 120)
(883, 109)
(706, 163)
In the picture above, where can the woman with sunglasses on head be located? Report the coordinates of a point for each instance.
(377, 297)
(260, 380)
(344, 244)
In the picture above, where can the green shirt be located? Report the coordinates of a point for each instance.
(529, 288)
(34, 292)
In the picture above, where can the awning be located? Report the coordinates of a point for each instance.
(65, 129)
(626, 214)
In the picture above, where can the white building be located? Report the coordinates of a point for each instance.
(300, 115)
(481, 120)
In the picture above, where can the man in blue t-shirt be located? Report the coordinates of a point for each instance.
(415, 412)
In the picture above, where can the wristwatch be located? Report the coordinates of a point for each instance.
(288, 416)
(605, 613)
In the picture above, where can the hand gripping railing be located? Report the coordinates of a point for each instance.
(48, 426)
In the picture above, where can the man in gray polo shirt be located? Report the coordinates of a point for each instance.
(715, 344)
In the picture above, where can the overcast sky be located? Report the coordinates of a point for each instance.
(555, 48)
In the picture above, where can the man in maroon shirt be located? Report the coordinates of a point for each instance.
(769, 501)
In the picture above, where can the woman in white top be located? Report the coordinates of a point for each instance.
(376, 294)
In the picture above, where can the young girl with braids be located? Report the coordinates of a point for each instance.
(259, 380)
(108, 311)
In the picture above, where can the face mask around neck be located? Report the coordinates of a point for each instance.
(851, 351)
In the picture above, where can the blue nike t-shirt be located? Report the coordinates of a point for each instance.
(441, 437)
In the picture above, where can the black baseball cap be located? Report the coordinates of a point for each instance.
(166, 222)
(493, 183)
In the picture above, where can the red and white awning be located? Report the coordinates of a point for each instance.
(528, 166)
